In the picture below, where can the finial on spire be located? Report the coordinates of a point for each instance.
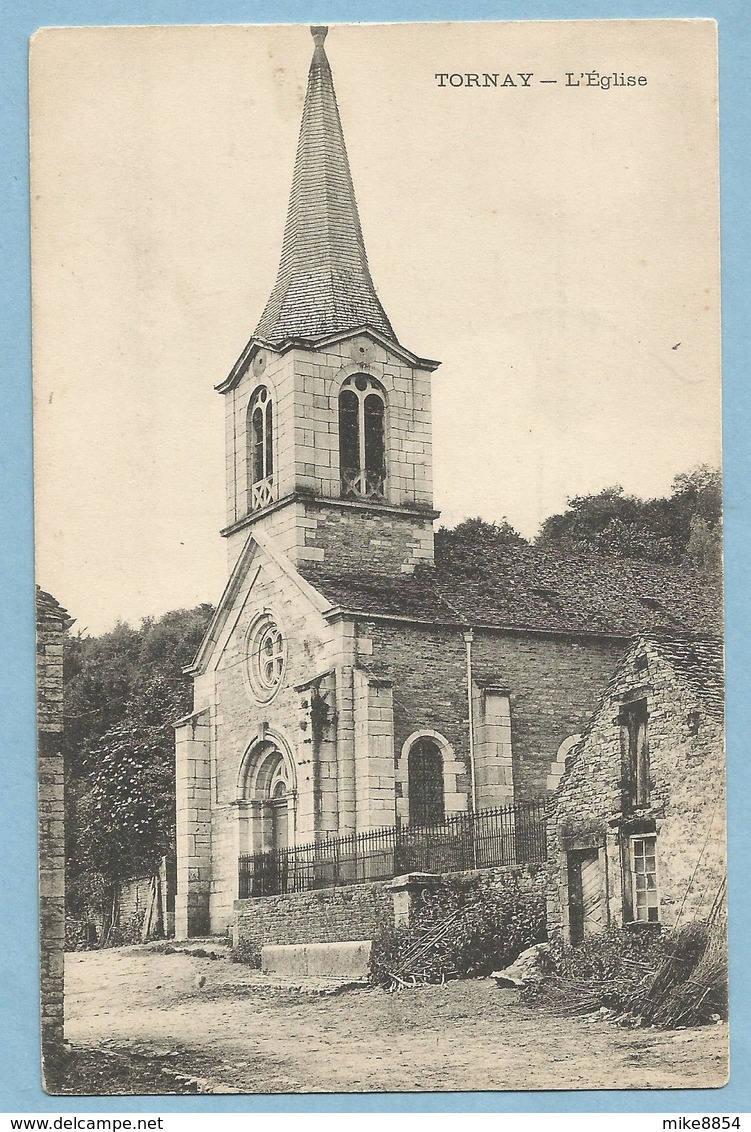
(319, 33)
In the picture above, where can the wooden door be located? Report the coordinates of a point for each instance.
(280, 819)
(280, 837)
(586, 902)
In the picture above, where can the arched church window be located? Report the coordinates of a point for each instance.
(362, 439)
(260, 449)
(266, 657)
(425, 784)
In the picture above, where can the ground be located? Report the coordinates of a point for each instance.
(220, 1022)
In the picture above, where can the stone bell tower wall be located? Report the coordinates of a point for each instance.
(304, 385)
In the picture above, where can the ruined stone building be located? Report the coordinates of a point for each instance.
(348, 680)
(52, 621)
(637, 826)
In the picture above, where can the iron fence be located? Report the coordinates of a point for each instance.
(507, 835)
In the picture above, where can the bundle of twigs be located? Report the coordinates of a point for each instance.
(692, 988)
(423, 961)
(701, 998)
(570, 997)
(682, 956)
(687, 987)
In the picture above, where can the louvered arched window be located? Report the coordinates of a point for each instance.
(260, 449)
(362, 439)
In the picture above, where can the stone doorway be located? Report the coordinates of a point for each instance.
(586, 896)
(266, 802)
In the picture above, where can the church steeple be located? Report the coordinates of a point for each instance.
(328, 415)
(323, 285)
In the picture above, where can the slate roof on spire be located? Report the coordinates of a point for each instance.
(324, 284)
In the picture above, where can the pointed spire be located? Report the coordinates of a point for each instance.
(323, 285)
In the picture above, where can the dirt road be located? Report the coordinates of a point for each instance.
(246, 1038)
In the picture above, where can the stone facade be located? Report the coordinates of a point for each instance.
(679, 820)
(308, 519)
(355, 697)
(52, 622)
(530, 692)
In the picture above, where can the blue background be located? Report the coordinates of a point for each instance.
(20, 1088)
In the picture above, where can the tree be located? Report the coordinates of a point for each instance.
(466, 546)
(131, 799)
(704, 550)
(685, 527)
(123, 691)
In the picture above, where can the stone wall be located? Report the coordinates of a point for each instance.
(351, 536)
(329, 915)
(686, 810)
(133, 899)
(363, 911)
(552, 685)
(52, 621)
(532, 880)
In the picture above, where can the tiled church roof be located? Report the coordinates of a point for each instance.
(526, 588)
(324, 284)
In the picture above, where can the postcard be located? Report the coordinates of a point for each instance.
(379, 548)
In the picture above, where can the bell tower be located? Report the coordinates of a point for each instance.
(328, 416)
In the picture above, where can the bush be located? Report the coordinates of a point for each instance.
(611, 954)
(120, 935)
(80, 935)
(460, 931)
(672, 978)
(247, 951)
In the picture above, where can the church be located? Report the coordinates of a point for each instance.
(349, 680)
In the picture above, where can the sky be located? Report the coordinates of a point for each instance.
(556, 247)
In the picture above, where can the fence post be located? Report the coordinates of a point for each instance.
(406, 891)
(335, 861)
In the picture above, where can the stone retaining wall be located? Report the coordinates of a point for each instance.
(354, 912)
(329, 915)
(532, 879)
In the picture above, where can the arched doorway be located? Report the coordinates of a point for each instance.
(266, 818)
(266, 798)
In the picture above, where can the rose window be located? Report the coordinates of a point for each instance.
(267, 654)
(271, 656)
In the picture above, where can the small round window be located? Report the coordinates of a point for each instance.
(267, 655)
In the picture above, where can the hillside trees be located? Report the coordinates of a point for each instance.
(466, 545)
(684, 527)
(124, 690)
